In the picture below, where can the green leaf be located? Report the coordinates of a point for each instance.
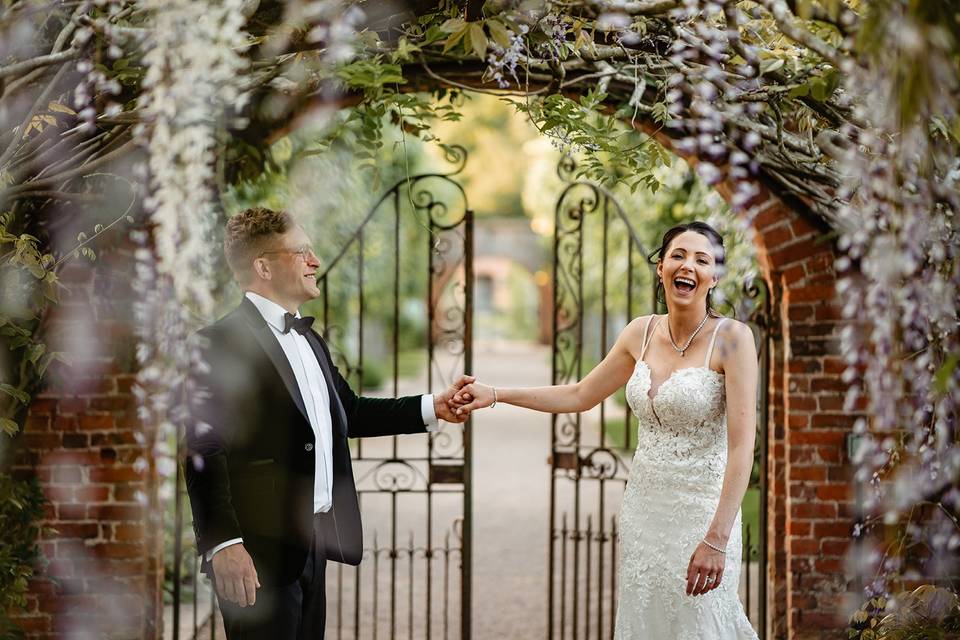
(769, 66)
(433, 34)
(467, 44)
(454, 39)
(499, 33)
(479, 40)
(665, 156)
(404, 51)
(21, 396)
(9, 426)
(453, 25)
(34, 352)
(818, 89)
(942, 378)
(660, 112)
(799, 92)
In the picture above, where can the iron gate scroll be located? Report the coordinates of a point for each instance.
(404, 272)
(602, 280)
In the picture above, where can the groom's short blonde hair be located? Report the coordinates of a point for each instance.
(249, 234)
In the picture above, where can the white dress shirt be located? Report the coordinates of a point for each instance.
(316, 400)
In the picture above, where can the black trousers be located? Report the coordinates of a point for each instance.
(296, 611)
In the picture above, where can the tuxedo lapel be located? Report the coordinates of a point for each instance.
(336, 407)
(268, 342)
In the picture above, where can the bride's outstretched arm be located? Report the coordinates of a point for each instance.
(608, 376)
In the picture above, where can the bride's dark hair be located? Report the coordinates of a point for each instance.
(704, 229)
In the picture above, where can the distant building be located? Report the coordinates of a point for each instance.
(512, 293)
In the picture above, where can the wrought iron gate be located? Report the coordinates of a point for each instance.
(415, 491)
(602, 279)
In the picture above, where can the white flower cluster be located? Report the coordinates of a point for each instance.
(902, 296)
(93, 83)
(702, 98)
(194, 69)
(333, 28)
(502, 62)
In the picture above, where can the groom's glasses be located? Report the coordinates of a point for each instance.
(304, 252)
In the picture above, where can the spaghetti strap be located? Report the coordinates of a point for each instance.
(646, 332)
(713, 338)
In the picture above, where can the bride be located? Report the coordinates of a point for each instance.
(680, 542)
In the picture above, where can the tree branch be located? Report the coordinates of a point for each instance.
(784, 18)
(847, 21)
(27, 66)
(39, 185)
(732, 15)
(41, 100)
(63, 195)
(638, 7)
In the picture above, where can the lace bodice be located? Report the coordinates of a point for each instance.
(684, 425)
(670, 499)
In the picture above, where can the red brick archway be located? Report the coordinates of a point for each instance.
(106, 557)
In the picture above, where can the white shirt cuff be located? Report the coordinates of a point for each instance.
(223, 545)
(428, 413)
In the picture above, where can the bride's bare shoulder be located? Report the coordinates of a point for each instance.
(638, 325)
(734, 337)
(631, 338)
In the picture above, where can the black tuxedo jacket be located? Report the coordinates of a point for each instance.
(250, 463)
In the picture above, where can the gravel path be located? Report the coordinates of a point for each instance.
(511, 499)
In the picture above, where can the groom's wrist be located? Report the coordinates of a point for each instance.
(428, 411)
(220, 547)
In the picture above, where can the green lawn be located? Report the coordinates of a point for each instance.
(615, 426)
(751, 515)
(751, 501)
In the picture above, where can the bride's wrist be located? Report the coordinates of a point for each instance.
(716, 540)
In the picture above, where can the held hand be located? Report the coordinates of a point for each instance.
(442, 402)
(705, 570)
(235, 576)
(473, 396)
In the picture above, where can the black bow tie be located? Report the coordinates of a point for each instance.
(300, 325)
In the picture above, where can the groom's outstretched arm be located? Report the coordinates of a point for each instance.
(370, 417)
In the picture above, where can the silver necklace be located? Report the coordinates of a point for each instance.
(682, 350)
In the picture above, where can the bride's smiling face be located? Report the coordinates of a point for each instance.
(688, 270)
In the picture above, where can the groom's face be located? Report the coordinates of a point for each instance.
(293, 267)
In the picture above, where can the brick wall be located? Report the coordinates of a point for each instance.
(809, 471)
(104, 556)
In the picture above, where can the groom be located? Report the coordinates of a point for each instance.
(268, 473)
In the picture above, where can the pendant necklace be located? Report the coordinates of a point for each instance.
(682, 350)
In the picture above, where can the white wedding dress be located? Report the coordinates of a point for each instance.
(668, 504)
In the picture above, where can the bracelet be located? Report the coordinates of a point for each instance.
(494, 397)
(718, 549)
